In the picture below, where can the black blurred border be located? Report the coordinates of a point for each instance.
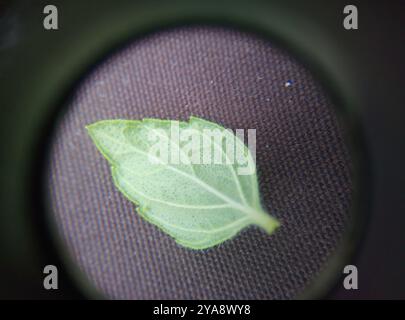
(368, 66)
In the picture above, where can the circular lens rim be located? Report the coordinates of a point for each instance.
(254, 17)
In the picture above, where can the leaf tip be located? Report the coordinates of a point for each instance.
(91, 127)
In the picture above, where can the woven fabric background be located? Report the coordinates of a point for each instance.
(237, 80)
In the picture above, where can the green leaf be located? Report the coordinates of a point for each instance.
(197, 202)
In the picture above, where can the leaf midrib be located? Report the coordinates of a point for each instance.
(234, 176)
(246, 209)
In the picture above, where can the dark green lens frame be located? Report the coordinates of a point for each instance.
(40, 69)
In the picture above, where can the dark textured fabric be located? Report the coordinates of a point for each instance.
(237, 80)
